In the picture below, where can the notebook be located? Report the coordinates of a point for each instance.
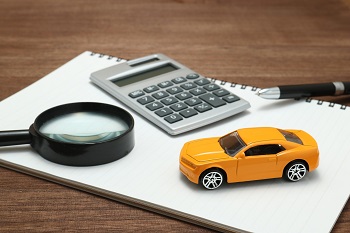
(149, 176)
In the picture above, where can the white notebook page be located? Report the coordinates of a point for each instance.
(150, 173)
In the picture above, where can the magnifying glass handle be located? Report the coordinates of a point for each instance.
(14, 137)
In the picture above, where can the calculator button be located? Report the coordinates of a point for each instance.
(183, 96)
(198, 91)
(151, 89)
(165, 84)
(193, 101)
(192, 76)
(212, 100)
(145, 100)
(174, 90)
(188, 86)
(135, 94)
(154, 106)
(173, 118)
(178, 80)
(178, 106)
(160, 95)
(231, 98)
(211, 87)
(203, 107)
(169, 100)
(163, 112)
(188, 113)
(202, 82)
(221, 92)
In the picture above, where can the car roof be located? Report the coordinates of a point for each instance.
(252, 135)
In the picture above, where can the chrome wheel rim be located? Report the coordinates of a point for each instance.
(212, 180)
(296, 172)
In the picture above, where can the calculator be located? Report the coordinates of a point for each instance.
(169, 94)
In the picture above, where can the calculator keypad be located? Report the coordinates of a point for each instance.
(183, 97)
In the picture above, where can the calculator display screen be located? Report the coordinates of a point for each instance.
(150, 73)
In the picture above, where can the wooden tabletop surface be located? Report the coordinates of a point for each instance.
(255, 42)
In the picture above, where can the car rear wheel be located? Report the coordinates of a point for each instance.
(212, 179)
(295, 171)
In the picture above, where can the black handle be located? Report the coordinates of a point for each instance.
(14, 137)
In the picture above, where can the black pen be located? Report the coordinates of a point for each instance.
(305, 90)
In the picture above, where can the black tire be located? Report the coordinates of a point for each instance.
(295, 171)
(212, 179)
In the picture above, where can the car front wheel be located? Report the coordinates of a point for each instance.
(295, 171)
(212, 179)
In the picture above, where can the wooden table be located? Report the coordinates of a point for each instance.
(258, 43)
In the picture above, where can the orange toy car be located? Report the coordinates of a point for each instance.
(249, 154)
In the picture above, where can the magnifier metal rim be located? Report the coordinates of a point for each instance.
(83, 154)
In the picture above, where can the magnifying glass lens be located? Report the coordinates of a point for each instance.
(84, 127)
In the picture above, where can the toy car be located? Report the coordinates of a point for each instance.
(249, 154)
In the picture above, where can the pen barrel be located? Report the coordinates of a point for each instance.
(307, 90)
(346, 88)
(14, 137)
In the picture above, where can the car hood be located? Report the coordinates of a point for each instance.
(205, 149)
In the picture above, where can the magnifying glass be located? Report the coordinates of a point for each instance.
(78, 134)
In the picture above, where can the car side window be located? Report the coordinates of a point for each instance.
(264, 150)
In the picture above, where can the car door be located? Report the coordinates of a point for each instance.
(258, 162)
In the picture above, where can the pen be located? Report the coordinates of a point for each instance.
(305, 90)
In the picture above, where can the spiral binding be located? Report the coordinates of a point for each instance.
(253, 88)
(233, 85)
(109, 57)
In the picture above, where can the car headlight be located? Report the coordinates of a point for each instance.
(188, 163)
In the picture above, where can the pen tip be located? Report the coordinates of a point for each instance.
(269, 93)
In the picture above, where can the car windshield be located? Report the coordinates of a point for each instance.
(289, 136)
(231, 143)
